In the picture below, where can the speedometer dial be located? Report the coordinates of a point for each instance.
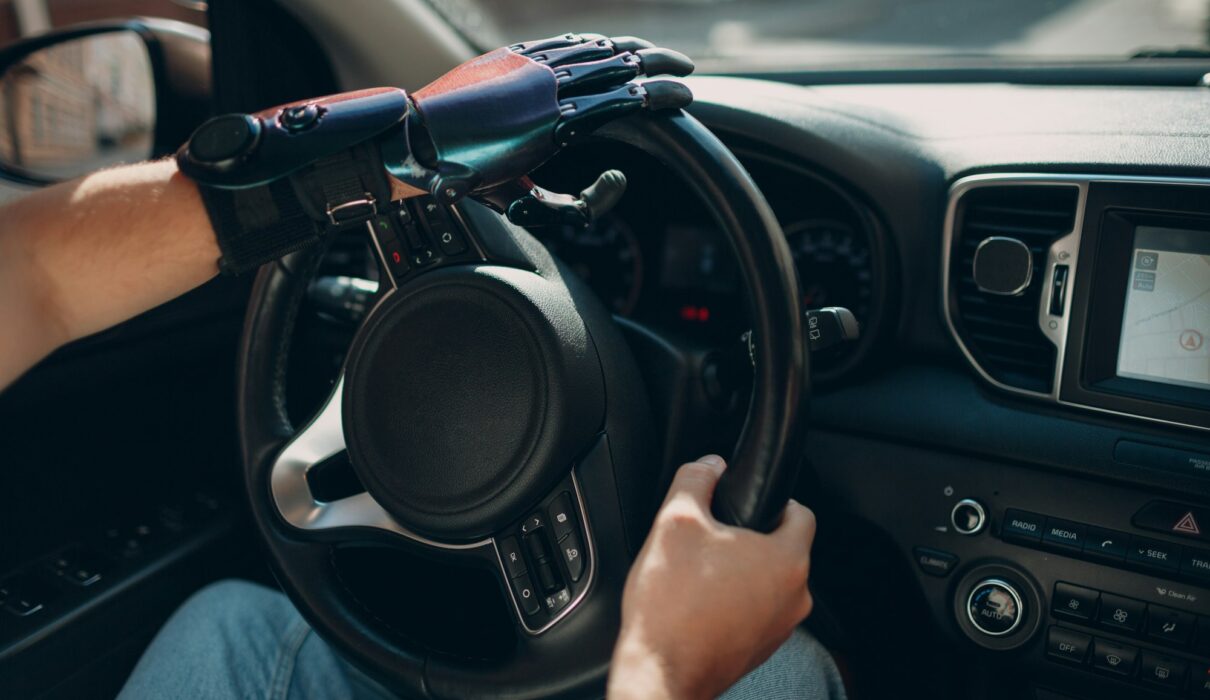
(834, 265)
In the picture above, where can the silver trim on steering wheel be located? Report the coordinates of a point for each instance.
(320, 439)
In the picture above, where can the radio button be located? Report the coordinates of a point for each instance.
(1154, 555)
(1196, 564)
(1106, 545)
(1063, 534)
(1022, 526)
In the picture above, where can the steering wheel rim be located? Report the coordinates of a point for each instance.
(752, 492)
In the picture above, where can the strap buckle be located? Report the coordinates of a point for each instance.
(353, 210)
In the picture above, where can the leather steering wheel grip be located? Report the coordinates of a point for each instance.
(762, 470)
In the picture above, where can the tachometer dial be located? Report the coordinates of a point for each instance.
(607, 256)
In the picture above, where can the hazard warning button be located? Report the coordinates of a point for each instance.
(1175, 519)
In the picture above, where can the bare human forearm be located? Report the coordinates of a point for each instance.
(84, 255)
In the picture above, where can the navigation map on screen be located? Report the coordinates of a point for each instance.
(1166, 325)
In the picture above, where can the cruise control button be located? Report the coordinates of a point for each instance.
(1196, 564)
(1106, 545)
(557, 601)
(1174, 519)
(1022, 526)
(1169, 626)
(1111, 657)
(1163, 671)
(1154, 555)
(1074, 602)
(935, 562)
(1063, 534)
(1120, 613)
(573, 555)
(562, 516)
(510, 552)
(1066, 645)
(527, 597)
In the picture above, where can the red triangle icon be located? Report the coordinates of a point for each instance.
(1187, 525)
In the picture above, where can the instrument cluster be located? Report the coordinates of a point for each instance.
(658, 259)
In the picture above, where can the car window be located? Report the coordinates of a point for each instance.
(726, 35)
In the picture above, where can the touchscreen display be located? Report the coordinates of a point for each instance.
(1166, 324)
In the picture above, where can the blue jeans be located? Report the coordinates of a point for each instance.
(235, 640)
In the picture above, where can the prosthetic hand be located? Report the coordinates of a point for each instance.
(278, 180)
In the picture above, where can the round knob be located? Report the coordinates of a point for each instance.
(968, 517)
(299, 117)
(224, 139)
(1003, 266)
(994, 607)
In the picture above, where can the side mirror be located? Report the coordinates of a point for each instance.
(96, 95)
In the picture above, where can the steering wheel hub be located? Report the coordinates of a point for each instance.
(468, 393)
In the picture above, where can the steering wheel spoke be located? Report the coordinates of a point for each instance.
(339, 519)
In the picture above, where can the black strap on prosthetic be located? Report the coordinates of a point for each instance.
(258, 224)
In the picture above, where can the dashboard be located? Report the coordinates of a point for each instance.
(1011, 468)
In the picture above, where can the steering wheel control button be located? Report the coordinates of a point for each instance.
(397, 260)
(968, 517)
(1118, 613)
(562, 516)
(935, 562)
(1111, 657)
(1174, 519)
(557, 601)
(1066, 645)
(1106, 545)
(1163, 671)
(1074, 602)
(225, 139)
(994, 607)
(573, 556)
(1022, 526)
(510, 552)
(1153, 555)
(1169, 626)
(299, 117)
(532, 524)
(527, 597)
(1064, 535)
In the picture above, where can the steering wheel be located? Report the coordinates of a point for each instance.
(497, 418)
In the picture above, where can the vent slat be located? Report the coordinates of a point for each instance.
(1002, 332)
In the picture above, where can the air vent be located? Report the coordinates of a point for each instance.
(1001, 332)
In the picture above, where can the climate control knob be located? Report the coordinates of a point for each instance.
(995, 607)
